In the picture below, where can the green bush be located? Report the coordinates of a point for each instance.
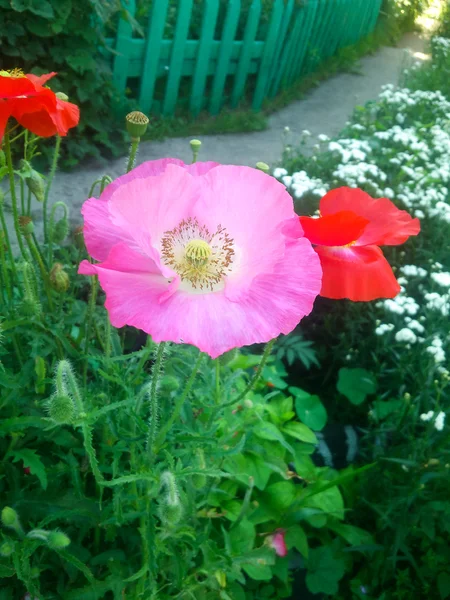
(66, 36)
(398, 147)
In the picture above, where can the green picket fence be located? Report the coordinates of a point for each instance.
(208, 73)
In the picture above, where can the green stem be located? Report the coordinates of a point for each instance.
(29, 203)
(90, 312)
(22, 196)
(179, 403)
(54, 208)
(5, 274)
(45, 278)
(13, 195)
(108, 338)
(217, 382)
(49, 183)
(254, 380)
(133, 152)
(7, 241)
(156, 371)
(145, 355)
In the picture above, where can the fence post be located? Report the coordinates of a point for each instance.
(122, 58)
(280, 45)
(226, 48)
(242, 71)
(155, 34)
(269, 46)
(203, 55)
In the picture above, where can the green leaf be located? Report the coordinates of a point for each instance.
(296, 538)
(310, 410)
(242, 537)
(330, 501)
(383, 408)
(356, 384)
(20, 5)
(281, 495)
(42, 8)
(355, 536)
(300, 432)
(269, 431)
(258, 572)
(443, 584)
(244, 465)
(31, 460)
(324, 571)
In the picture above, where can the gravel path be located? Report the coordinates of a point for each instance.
(323, 110)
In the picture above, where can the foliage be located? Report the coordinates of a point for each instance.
(397, 146)
(65, 36)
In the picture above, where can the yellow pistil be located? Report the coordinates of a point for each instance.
(197, 252)
(200, 258)
(12, 73)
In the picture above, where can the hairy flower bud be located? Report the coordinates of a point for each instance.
(60, 230)
(171, 509)
(36, 185)
(78, 237)
(26, 225)
(61, 409)
(59, 280)
(169, 383)
(199, 480)
(9, 517)
(57, 540)
(136, 123)
(6, 549)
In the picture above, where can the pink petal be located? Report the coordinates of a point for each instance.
(137, 295)
(152, 168)
(253, 208)
(278, 543)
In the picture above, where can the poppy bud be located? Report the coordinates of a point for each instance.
(262, 166)
(136, 123)
(59, 280)
(199, 480)
(57, 540)
(61, 409)
(169, 383)
(6, 549)
(221, 577)
(26, 225)
(171, 509)
(60, 230)
(9, 517)
(78, 237)
(36, 185)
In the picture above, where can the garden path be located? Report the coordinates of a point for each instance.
(324, 110)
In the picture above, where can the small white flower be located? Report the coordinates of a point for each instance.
(427, 416)
(279, 172)
(439, 421)
(442, 279)
(406, 335)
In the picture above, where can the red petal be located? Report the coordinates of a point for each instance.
(12, 87)
(40, 80)
(338, 229)
(388, 225)
(46, 115)
(357, 273)
(5, 113)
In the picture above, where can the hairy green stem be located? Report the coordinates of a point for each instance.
(179, 402)
(5, 275)
(156, 371)
(145, 355)
(13, 195)
(54, 208)
(49, 184)
(37, 257)
(7, 240)
(90, 313)
(133, 152)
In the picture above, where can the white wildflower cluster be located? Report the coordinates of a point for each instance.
(442, 279)
(300, 183)
(436, 350)
(439, 418)
(384, 328)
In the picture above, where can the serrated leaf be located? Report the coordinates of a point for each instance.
(268, 431)
(356, 384)
(33, 462)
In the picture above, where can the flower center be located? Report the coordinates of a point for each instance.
(201, 259)
(12, 73)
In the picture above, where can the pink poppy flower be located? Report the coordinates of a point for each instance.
(278, 543)
(204, 254)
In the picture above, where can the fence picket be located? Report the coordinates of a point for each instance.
(264, 68)
(203, 55)
(226, 46)
(122, 47)
(298, 37)
(177, 57)
(157, 21)
(242, 72)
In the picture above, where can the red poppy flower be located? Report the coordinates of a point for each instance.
(34, 106)
(346, 237)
